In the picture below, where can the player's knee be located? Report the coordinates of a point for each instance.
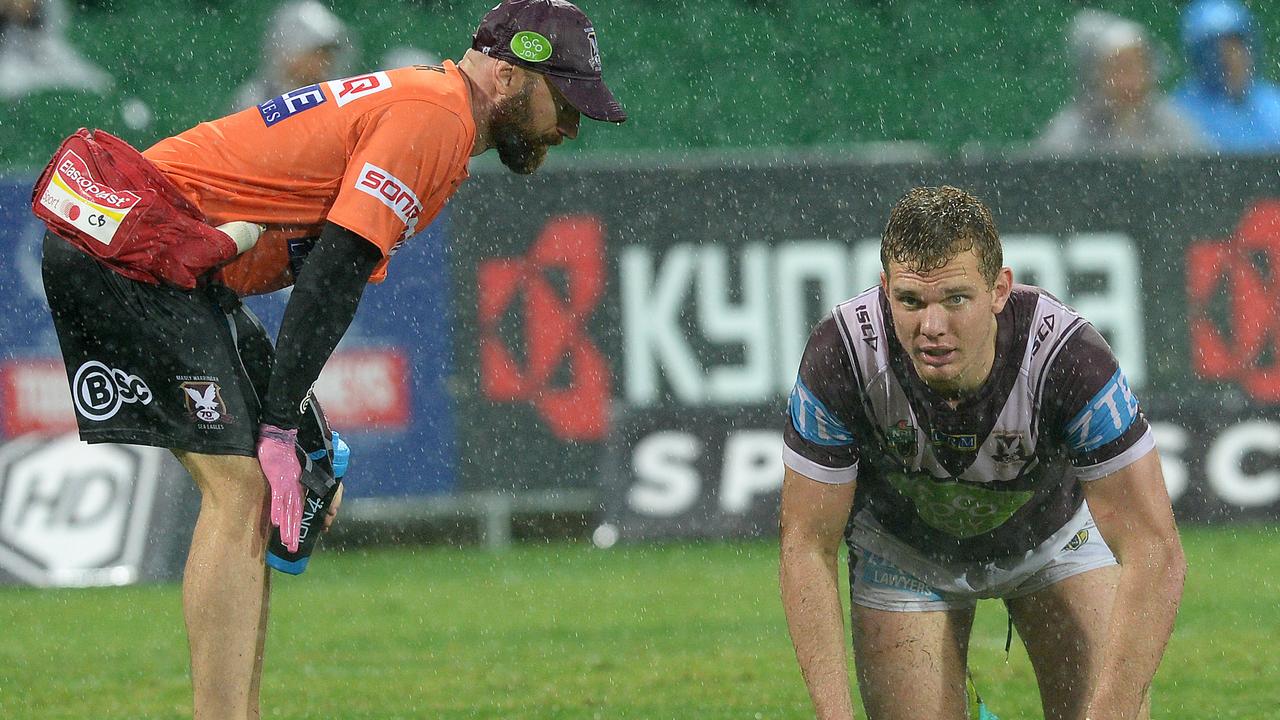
(230, 483)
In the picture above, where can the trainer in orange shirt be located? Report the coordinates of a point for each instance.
(337, 175)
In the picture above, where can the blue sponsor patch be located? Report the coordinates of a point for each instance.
(291, 103)
(814, 421)
(880, 572)
(1107, 416)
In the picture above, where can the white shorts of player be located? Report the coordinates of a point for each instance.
(888, 574)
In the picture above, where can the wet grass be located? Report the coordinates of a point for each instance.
(567, 631)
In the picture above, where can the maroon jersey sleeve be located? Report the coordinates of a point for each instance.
(819, 438)
(1090, 408)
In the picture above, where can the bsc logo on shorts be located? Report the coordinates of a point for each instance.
(99, 391)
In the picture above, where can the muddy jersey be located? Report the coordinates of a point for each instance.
(992, 477)
(378, 154)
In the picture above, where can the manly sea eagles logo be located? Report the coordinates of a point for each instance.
(204, 401)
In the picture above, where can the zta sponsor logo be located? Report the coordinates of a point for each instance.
(291, 103)
(204, 401)
(1107, 416)
(98, 391)
(1232, 286)
(354, 88)
(563, 374)
(392, 192)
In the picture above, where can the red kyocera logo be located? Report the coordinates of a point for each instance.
(1232, 288)
(555, 333)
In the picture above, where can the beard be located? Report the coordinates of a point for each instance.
(519, 148)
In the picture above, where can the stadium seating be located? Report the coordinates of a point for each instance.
(694, 75)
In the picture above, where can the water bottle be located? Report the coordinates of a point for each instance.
(322, 472)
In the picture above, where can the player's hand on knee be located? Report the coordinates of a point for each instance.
(280, 464)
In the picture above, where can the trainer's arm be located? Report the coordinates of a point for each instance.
(320, 309)
(1132, 510)
(813, 520)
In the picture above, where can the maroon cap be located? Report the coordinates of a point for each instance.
(554, 38)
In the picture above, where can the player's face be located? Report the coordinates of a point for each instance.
(946, 321)
(526, 124)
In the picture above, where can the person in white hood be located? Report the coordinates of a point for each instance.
(305, 43)
(35, 54)
(1117, 108)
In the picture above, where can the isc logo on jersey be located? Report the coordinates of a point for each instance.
(94, 208)
(392, 192)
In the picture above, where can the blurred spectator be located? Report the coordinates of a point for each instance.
(305, 44)
(1117, 108)
(1236, 111)
(35, 54)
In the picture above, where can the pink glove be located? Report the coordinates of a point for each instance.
(280, 465)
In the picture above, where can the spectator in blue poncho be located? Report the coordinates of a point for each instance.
(1236, 111)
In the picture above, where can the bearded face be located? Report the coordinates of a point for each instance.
(520, 146)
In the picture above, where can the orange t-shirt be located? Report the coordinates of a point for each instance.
(378, 154)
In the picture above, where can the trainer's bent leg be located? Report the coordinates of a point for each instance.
(224, 583)
(911, 665)
(1064, 628)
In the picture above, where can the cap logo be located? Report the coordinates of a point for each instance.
(530, 46)
(595, 49)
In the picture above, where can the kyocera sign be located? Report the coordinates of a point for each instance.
(713, 325)
(72, 513)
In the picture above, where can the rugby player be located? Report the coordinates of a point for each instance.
(339, 175)
(971, 438)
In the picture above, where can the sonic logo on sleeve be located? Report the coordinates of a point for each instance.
(354, 88)
(92, 207)
(285, 106)
(1107, 416)
(814, 421)
(392, 192)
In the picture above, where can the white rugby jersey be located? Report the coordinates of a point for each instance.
(993, 477)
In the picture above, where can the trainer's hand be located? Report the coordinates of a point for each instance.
(280, 465)
(332, 513)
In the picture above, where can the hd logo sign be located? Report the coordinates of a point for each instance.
(73, 514)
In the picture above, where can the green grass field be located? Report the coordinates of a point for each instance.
(568, 631)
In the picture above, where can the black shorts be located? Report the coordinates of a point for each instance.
(156, 365)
